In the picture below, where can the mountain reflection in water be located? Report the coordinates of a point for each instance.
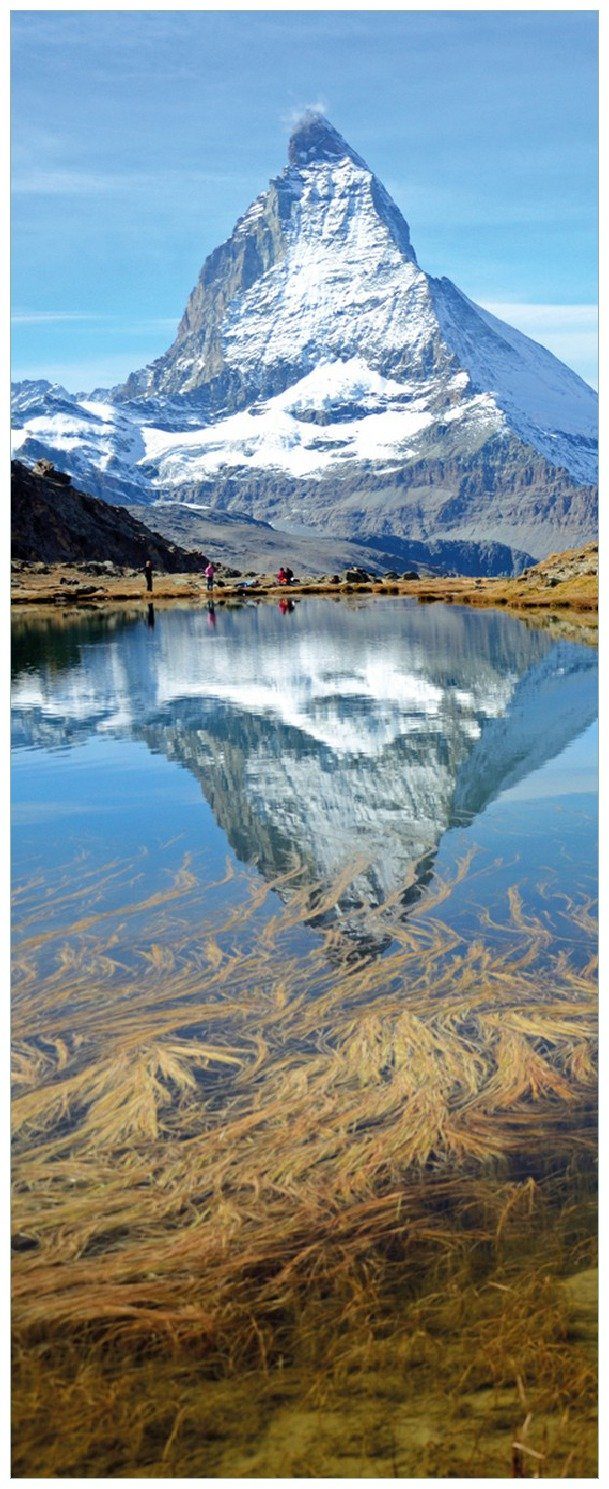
(334, 735)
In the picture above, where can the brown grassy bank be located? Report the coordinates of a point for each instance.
(562, 588)
(294, 1215)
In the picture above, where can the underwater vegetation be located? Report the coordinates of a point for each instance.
(283, 1210)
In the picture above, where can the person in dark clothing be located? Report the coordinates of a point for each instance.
(148, 575)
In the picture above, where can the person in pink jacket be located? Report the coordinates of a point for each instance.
(209, 575)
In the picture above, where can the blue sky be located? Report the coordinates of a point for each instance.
(139, 137)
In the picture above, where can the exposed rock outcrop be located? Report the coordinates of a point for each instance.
(53, 522)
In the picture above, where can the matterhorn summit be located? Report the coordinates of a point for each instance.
(319, 377)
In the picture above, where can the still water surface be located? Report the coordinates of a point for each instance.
(303, 1174)
(371, 743)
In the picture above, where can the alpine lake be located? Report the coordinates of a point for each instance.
(304, 1025)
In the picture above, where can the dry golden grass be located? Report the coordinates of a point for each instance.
(562, 590)
(231, 1156)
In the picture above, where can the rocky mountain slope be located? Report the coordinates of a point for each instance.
(55, 523)
(232, 538)
(320, 377)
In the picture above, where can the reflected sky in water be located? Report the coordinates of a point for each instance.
(381, 740)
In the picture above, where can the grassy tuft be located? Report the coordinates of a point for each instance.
(304, 1214)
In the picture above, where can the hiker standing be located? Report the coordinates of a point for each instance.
(148, 575)
(209, 575)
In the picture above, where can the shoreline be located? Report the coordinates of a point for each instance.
(538, 595)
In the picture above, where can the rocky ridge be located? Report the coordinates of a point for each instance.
(53, 522)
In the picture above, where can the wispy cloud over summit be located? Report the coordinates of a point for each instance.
(297, 115)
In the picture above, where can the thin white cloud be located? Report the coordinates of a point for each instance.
(569, 331)
(51, 317)
(59, 317)
(60, 182)
(295, 115)
(579, 317)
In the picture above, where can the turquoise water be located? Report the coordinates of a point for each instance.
(376, 742)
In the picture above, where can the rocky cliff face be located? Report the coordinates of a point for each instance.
(503, 492)
(317, 360)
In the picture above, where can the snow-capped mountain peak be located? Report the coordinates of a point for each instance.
(319, 375)
(314, 139)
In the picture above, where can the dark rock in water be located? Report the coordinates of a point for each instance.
(21, 1242)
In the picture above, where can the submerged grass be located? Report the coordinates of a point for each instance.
(285, 1213)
